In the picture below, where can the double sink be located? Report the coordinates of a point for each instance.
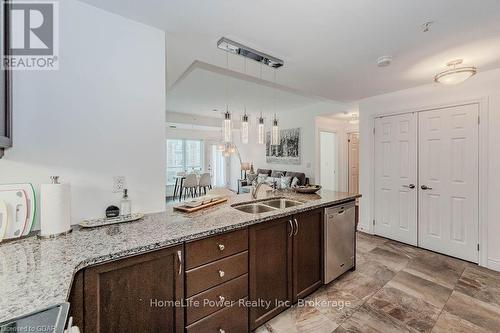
(266, 205)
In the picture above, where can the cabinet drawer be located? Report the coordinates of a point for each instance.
(230, 291)
(216, 247)
(215, 273)
(229, 320)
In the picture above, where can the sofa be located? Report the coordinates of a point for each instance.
(246, 185)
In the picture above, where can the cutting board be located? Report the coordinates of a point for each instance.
(187, 209)
(3, 219)
(31, 200)
(17, 212)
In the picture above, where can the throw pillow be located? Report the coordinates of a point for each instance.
(286, 182)
(295, 182)
(261, 178)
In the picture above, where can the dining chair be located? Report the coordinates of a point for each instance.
(179, 177)
(191, 185)
(205, 181)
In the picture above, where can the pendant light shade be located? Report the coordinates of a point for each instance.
(261, 131)
(275, 133)
(227, 127)
(244, 128)
(454, 74)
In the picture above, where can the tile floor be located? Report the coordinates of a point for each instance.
(399, 288)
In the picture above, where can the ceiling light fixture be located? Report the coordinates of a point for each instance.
(384, 61)
(227, 127)
(455, 74)
(245, 51)
(275, 133)
(261, 135)
(244, 128)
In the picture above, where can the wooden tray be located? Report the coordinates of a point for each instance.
(112, 220)
(186, 209)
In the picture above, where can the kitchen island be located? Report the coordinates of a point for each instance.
(37, 273)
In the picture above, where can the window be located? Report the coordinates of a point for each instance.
(183, 156)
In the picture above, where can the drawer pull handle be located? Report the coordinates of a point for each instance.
(222, 298)
(221, 273)
(221, 247)
(221, 330)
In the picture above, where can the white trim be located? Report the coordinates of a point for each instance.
(483, 103)
(493, 264)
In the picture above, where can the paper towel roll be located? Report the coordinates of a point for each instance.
(55, 209)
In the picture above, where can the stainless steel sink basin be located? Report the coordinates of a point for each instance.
(266, 205)
(254, 208)
(282, 203)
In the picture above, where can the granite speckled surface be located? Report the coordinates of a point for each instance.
(37, 273)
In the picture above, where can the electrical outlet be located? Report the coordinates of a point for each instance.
(119, 184)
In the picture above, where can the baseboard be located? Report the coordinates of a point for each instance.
(364, 228)
(494, 265)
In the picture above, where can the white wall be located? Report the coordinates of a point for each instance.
(101, 115)
(483, 85)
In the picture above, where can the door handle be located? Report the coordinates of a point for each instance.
(425, 187)
(412, 186)
(296, 227)
(291, 228)
(179, 255)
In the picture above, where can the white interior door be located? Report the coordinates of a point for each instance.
(396, 178)
(353, 152)
(448, 180)
(328, 160)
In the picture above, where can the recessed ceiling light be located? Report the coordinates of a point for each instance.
(454, 74)
(384, 61)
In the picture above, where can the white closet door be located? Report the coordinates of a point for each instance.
(448, 181)
(396, 178)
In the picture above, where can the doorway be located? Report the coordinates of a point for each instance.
(427, 179)
(328, 160)
(353, 162)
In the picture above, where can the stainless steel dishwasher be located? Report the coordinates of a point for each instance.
(339, 242)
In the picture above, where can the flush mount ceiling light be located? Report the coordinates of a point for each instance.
(455, 74)
(245, 51)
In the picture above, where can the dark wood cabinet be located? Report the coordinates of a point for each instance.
(270, 248)
(286, 258)
(135, 294)
(307, 253)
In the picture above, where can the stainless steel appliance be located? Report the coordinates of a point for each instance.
(339, 242)
(50, 320)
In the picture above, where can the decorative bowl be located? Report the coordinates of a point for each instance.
(310, 189)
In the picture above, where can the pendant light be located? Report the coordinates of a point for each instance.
(227, 127)
(244, 128)
(454, 74)
(261, 135)
(275, 133)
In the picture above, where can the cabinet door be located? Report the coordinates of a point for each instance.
(135, 294)
(270, 248)
(307, 253)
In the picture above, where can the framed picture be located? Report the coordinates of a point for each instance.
(289, 149)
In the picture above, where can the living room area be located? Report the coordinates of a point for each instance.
(233, 131)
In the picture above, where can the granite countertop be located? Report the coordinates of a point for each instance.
(37, 273)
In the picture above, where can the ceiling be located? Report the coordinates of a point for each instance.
(330, 47)
(205, 89)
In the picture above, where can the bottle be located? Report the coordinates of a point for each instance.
(125, 204)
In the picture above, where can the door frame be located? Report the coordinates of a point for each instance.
(483, 105)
